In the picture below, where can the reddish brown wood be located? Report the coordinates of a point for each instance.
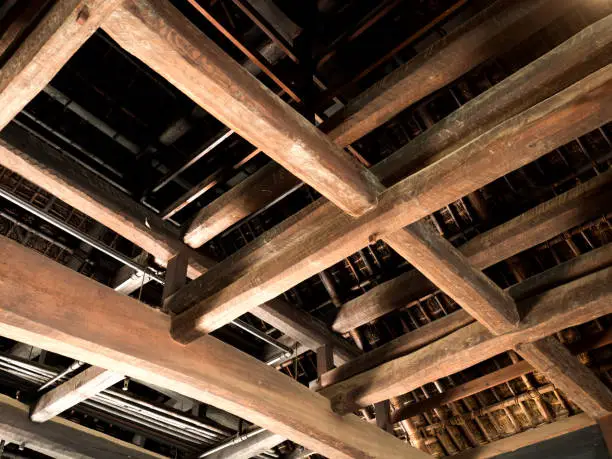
(321, 235)
(160, 36)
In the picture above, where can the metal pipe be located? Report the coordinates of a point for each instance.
(73, 367)
(239, 438)
(262, 336)
(36, 232)
(81, 236)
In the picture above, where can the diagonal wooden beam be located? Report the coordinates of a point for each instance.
(538, 225)
(502, 25)
(320, 235)
(160, 36)
(72, 392)
(60, 438)
(569, 305)
(447, 268)
(43, 304)
(60, 33)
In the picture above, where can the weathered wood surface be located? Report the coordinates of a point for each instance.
(605, 425)
(531, 228)
(556, 70)
(568, 305)
(529, 437)
(60, 33)
(448, 269)
(78, 388)
(19, 19)
(43, 305)
(160, 36)
(321, 235)
(60, 438)
(39, 163)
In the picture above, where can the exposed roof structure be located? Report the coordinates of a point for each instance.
(304, 229)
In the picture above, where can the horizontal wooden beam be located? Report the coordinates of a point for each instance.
(320, 235)
(60, 438)
(159, 35)
(529, 437)
(43, 305)
(569, 305)
(572, 60)
(563, 273)
(68, 394)
(565, 211)
(59, 34)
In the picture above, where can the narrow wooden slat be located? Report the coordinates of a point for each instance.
(320, 235)
(574, 59)
(43, 305)
(160, 36)
(568, 305)
(81, 387)
(60, 33)
(60, 438)
(543, 222)
(528, 438)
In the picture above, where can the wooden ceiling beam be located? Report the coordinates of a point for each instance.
(72, 392)
(321, 235)
(159, 35)
(571, 304)
(43, 305)
(60, 33)
(571, 61)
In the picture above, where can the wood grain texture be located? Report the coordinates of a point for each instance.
(494, 30)
(321, 235)
(60, 33)
(566, 64)
(43, 305)
(448, 269)
(60, 438)
(529, 437)
(537, 225)
(160, 36)
(76, 186)
(78, 388)
(569, 305)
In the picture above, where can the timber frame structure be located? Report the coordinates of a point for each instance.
(367, 394)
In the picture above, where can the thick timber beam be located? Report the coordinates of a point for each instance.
(43, 305)
(321, 235)
(68, 394)
(568, 305)
(60, 438)
(160, 36)
(577, 57)
(60, 33)
(536, 226)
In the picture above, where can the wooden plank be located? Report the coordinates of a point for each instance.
(572, 60)
(60, 438)
(543, 222)
(448, 269)
(605, 424)
(18, 19)
(78, 187)
(398, 347)
(493, 31)
(528, 438)
(60, 33)
(578, 382)
(464, 390)
(568, 305)
(159, 35)
(250, 447)
(43, 304)
(320, 235)
(81, 387)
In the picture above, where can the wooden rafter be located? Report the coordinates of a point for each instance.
(320, 235)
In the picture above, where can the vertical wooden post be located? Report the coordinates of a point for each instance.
(325, 359)
(605, 424)
(176, 276)
(382, 411)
